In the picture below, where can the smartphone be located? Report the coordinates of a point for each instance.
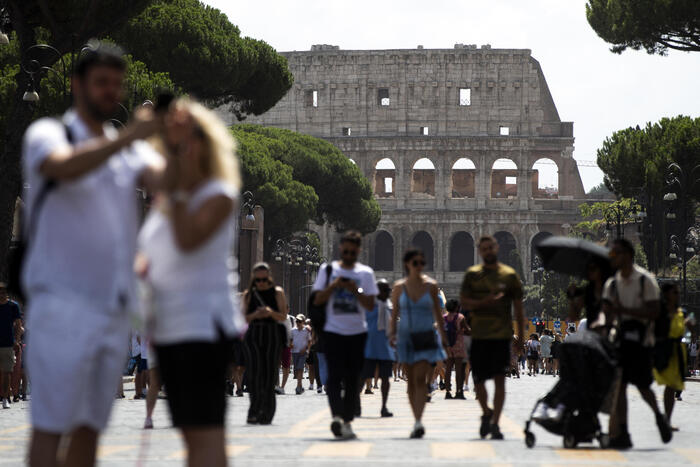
(163, 101)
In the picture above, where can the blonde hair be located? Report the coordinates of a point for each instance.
(218, 140)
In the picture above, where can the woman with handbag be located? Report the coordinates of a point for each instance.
(265, 308)
(669, 352)
(415, 301)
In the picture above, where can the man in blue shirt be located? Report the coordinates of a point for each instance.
(10, 326)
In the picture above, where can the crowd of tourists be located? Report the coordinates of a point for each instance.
(91, 268)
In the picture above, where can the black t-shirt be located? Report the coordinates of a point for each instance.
(260, 298)
(9, 312)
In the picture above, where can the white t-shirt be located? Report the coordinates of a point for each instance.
(300, 339)
(344, 313)
(546, 345)
(85, 238)
(628, 289)
(193, 293)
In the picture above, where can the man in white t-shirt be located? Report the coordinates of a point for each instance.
(546, 347)
(78, 273)
(301, 341)
(350, 293)
(632, 295)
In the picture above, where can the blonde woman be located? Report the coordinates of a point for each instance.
(187, 242)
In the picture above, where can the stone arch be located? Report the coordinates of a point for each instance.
(423, 177)
(424, 241)
(463, 178)
(504, 179)
(385, 178)
(536, 240)
(461, 252)
(383, 251)
(545, 179)
(508, 250)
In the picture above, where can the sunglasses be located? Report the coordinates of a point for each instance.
(417, 263)
(261, 280)
(352, 253)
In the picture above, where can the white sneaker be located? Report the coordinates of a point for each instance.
(5, 404)
(346, 432)
(541, 412)
(337, 427)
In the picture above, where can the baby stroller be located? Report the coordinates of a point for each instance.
(587, 367)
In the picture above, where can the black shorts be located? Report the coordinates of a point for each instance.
(385, 367)
(193, 374)
(636, 362)
(489, 358)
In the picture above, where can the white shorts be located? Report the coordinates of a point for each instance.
(75, 358)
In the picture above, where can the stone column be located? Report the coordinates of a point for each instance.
(481, 189)
(524, 187)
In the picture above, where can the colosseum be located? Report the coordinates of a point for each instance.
(454, 142)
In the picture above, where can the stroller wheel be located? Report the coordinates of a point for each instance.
(529, 439)
(604, 440)
(570, 441)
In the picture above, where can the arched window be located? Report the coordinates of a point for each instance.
(463, 178)
(384, 178)
(461, 252)
(536, 240)
(424, 241)
(508, 252)
(383, 251)
(504, 179)
(423, 177)
(545, 179)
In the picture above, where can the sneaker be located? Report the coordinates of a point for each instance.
(541, 412)
(279, 390)
(385, 413)
(311, 387)
(16, 398)
(448, 395)
(24, 397)
(368, 391)
(319, 390)
(418, 431)
(664, 428)
(148, 424)
(460, 396)
(5, 404)
(495, 432)
(337, 427)
(466, 388)
(621, 442)
(346, 432)
(299, 391)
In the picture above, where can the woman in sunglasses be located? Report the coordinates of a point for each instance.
(415, 301)
(265, 308)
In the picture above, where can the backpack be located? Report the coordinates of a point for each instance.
(317, 313)
(451, 330)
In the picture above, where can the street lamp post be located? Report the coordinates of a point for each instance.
(293, 254)
(684, 245)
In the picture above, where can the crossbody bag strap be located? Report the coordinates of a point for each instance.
(46, 187)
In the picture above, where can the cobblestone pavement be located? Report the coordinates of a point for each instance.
(300, 434)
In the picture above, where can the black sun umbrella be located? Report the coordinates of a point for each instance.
(569, 255)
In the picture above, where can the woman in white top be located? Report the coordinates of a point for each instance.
(187, 241)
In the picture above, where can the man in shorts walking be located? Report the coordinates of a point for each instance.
(78, 272)
(10, 328)
(489, 290)
(301, 341)
(632, 295)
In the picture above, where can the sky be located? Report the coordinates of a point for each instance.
(599, 91)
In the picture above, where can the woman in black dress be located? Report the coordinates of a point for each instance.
(265, 307)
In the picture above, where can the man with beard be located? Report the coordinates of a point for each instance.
(348, 294)
(489, 290)
(78, 273)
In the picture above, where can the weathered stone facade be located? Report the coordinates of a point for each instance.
(442, 105)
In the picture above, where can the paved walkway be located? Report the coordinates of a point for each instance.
(300, 434)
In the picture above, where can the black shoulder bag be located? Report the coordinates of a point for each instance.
(421, 340)
(317, 313)
(18, 250)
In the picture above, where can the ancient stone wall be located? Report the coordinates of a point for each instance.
(444, 106)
